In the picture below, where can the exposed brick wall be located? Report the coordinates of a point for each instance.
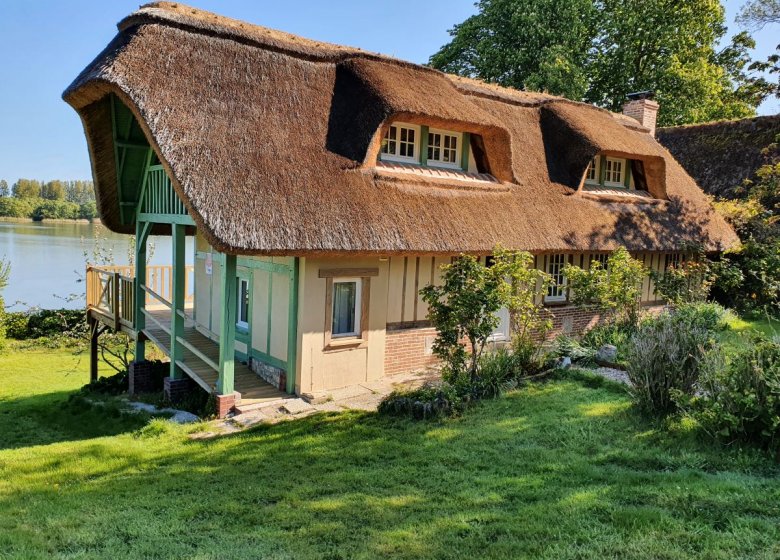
(408, 349)
(177, 389)
(405, 350)
(225, 404)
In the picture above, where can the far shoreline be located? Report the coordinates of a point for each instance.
(12, 220)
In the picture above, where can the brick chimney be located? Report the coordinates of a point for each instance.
(640, 106)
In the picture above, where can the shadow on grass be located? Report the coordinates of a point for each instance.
(46, 418)
(535, 474)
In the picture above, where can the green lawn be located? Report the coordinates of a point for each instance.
(557, 470)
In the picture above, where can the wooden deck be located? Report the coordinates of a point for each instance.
(110, 296)
(252, 388)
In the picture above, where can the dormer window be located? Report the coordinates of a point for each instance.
(429, 147)
(443, 149)
(614, 172)
(401, 143)
(609, 172)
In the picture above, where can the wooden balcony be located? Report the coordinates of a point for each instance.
(111, 303)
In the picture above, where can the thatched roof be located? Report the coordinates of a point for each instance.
(722, 155)
(271, 142)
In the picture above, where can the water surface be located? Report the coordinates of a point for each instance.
(48, 260)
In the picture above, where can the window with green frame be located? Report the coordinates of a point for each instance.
(607, 171)
(422, 145)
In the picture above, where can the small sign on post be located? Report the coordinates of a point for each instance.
(209, 264)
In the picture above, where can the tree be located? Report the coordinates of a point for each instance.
(4, 191)
(599, 51)
(526, 44)
(758, 13)
(53, 190)
(27, 188)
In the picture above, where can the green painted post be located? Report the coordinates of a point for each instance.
(177, 305)
(423, 145)
(602, 169)
(141, 234)
(292, 328)
(464, 161)
(227, 336)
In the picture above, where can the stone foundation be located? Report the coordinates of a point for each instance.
(177, 389)
(272, 375)
(225, 404)
(141, 375)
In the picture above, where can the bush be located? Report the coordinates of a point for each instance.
(428, 401)
(618, 334)
(46, 323)
(739, 401)
(708, 316)
(664, 361)
(564, 346)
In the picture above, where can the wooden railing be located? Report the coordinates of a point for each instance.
(160, 198)
(111, 291)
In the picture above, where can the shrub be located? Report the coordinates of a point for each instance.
(611, 332)
(739, 401)
(708, 316)
(567, 346)
(688, 282)
(428, 401)
(664, 361)
(614, 289)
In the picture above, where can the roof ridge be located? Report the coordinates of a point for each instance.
(193, 19)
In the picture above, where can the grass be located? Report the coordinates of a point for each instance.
(557, 470)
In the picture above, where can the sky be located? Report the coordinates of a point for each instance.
(44, 44)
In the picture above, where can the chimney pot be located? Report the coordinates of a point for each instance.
(640, 106)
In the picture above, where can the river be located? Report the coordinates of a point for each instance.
(48, 260)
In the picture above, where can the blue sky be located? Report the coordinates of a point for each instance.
(44, 44)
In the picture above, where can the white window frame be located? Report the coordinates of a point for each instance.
(621, 182)
(458, 149)
(594, 164)
(243, 325)
(559, 289)
(399, 158)
(358, 305)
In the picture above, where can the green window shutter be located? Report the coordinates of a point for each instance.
(423, 145)
(602, 169)
(627, 173)
(464, 160)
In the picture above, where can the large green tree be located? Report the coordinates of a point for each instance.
(601, 50)
(27, 188)
(525, 44)
(4, 191)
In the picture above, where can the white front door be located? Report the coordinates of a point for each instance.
(502, 330)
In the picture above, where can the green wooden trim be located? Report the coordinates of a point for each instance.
(227, 334)
(117, 167)
(464, 159)
(269, 315)
(602, 169)
(248, 262)
(245, 335)
(142, 230)
(423, 145)
(177, 304)
(271, 361)
(140, 203)
(178, 219)
(156, 167)
(292, 329)
(627, 173)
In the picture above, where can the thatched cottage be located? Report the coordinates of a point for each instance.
(326, 185)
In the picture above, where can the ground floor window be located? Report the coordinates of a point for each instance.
(242, 310)
(557, 290)
(346, 307)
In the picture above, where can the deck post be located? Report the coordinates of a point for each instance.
(141, 235)
(94, 333)
(227, 333)
(177, 297)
